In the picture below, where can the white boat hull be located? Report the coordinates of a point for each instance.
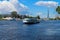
(30, 22)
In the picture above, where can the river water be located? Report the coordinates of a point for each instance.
(16, 30)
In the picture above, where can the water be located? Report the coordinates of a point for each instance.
(16, 30)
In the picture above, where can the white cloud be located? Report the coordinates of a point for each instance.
(11, 5)
(19, 6)
(16, 2)
(6, 7)
(47, 3)
(23, 6)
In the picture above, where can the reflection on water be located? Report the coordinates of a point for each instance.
(16, 30)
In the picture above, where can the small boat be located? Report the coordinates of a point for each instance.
(31, 20)
(7, 18)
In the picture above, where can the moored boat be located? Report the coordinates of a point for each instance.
(31, 20)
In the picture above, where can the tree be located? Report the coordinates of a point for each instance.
(58, 9)
(6, 15)
(14, 14)
(38, 17)
(57, 18)
(0, 16)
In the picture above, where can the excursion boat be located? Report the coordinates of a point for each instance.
(11, 19)
(31, 20)
(7, 18)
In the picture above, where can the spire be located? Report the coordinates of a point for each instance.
(48, 14)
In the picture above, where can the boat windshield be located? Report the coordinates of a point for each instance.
(26, 19)
(30, 19)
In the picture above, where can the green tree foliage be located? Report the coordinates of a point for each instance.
(14, 14)
(6, 15)
(57, 18)
(58, 9)
(38, 17)
(0, 16)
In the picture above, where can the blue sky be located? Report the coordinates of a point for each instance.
(28, 7)
(35, 10)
